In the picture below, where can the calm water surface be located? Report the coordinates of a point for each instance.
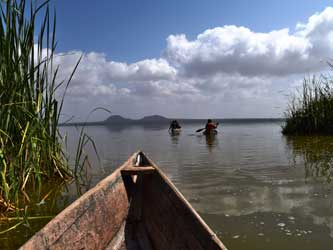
(254, 187)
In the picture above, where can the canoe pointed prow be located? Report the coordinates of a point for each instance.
(137, 207)
(141, 165)
(141, 160)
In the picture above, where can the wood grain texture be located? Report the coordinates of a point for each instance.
(171, 225)
(128, 210)
(137, 170)
(170, 220)
(90, 222)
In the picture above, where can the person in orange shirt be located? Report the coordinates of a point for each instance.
(210, 127)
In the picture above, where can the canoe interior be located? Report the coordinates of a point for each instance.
(135, 208)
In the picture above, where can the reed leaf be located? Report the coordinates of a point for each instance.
(311, 111)
(30, 143)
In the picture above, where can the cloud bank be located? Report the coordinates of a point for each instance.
(221, 66)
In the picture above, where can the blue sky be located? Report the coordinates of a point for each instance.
(130, 30)
(190, 58)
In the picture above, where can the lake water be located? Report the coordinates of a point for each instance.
(256, 188)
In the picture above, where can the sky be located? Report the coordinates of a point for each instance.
(190, 59)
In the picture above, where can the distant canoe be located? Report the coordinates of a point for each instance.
(175, 131)
(136, 207)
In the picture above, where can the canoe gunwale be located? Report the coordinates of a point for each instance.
(188, 205)
(130, 179)
(48, 236)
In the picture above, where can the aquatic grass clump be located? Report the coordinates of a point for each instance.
(30, 147)
(311, 112)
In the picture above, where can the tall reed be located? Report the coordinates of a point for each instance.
(30, 149)
(311, 112)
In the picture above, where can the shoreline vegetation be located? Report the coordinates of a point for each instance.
(311, 111)
(31, 150)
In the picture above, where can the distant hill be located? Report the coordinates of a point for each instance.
(153, 119)
(117, 119)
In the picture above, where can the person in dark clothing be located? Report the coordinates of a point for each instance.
(174, 125)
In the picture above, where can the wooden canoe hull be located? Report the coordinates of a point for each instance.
(136, 207)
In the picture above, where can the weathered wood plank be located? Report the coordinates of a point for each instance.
(118, 241)
(138, 170)
(90, 222)
(167, 227)
(135, 208)
(142, 237)
(168, 210)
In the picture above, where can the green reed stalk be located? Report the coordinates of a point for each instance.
(311, 112)
(30, 149)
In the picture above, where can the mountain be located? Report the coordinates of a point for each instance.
(154, 119)
(117, 119)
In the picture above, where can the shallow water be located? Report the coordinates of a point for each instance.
(254, 187)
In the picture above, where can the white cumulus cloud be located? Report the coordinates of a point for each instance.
(225, 64)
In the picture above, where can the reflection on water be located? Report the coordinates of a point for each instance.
(43, 206)
(253, 186)
(316, 153)
(211, 140)
(174, 137)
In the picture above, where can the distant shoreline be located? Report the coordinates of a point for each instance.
(160, 120)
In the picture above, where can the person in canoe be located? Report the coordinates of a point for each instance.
(210, 128)
(174, 127)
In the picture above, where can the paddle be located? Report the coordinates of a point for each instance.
(200, 129)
